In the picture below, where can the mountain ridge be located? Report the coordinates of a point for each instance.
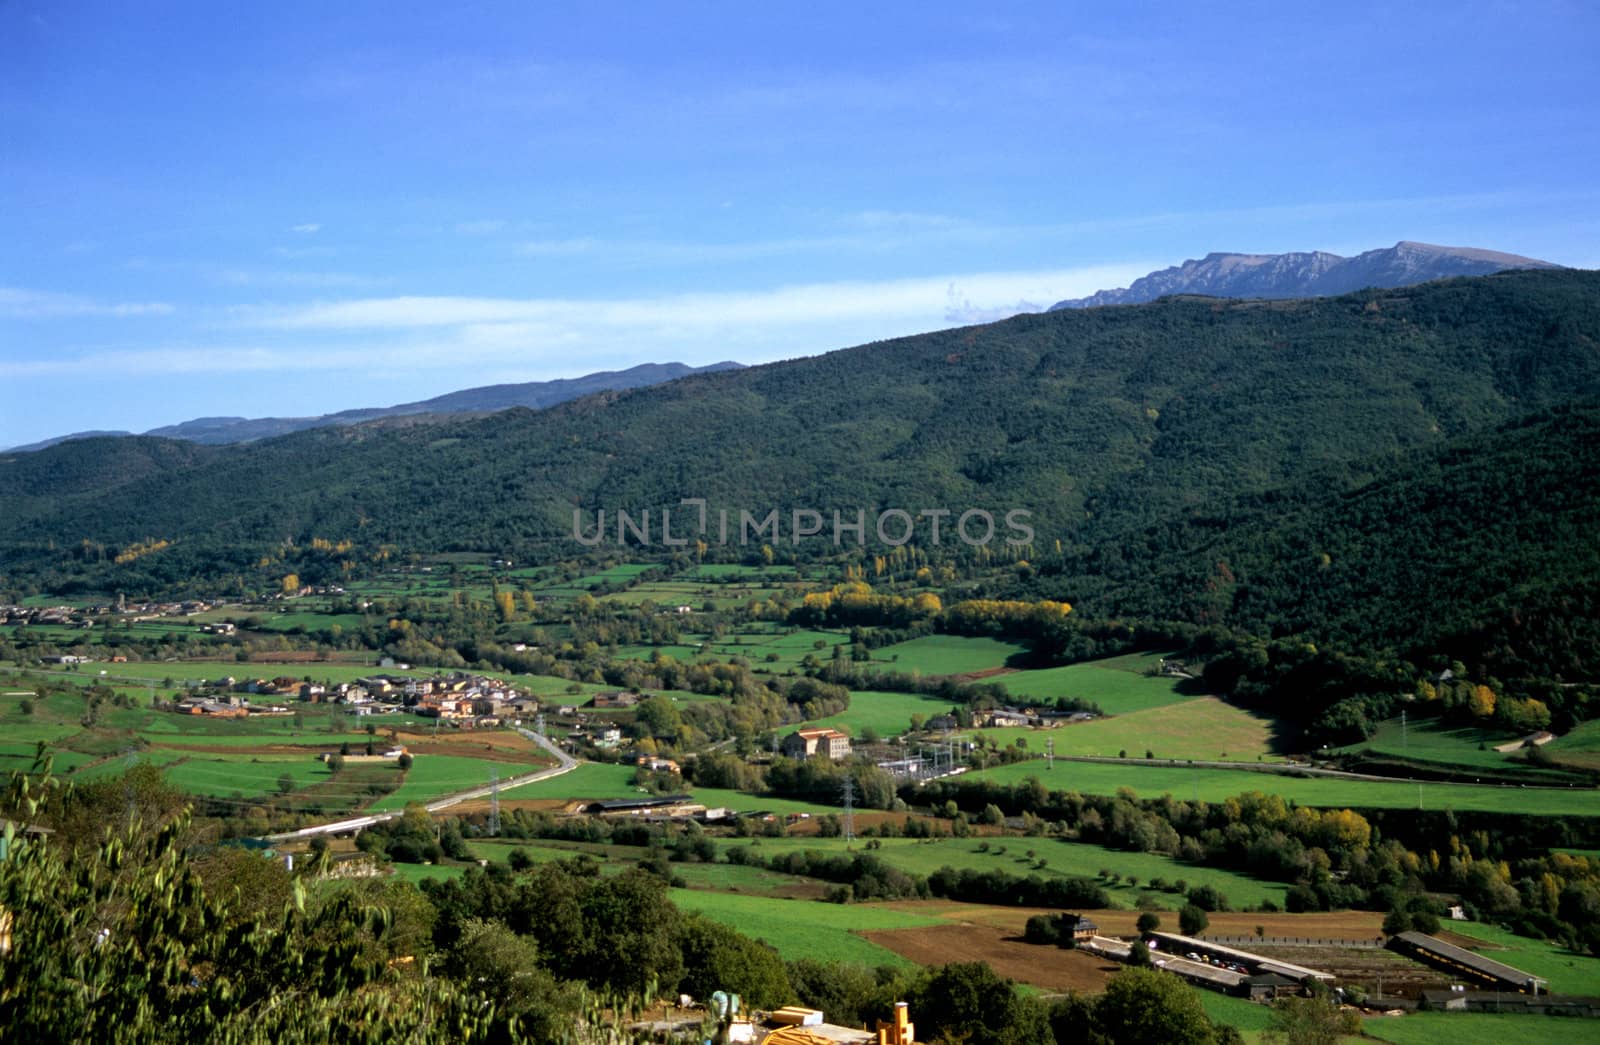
(1308, 273)
(537, 395)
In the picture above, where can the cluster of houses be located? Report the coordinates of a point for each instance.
(85, 616)
(61, 616)
(1037, 718)
(468, 699)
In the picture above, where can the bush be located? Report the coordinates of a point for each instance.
(1041, 928)
(1192, 920)
(1396, 922)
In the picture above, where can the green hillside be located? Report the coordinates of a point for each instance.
(1400, 471)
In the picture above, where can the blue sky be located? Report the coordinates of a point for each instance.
(287, 209)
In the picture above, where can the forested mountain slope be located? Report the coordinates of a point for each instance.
(1101, 422)
(1483, 551)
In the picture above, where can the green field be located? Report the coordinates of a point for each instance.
(1457, 1028)
(768, 647)
(805, 928)
(592, 780)
(744, 802)
(1429, 740)
(889, 714)
(432, 776)
(1062, 860)
(221, 776)
(1214, 785)
(1202, 728)
(1250, 1017)
(1581, 747)
(1118, 684)
(945, 655)
(416, 873)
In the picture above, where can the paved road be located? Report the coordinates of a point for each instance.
(564, 763)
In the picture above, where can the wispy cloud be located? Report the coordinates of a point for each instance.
(927, 298)
(19, 303)
(306, 229)
(549, 337)
(291, 278)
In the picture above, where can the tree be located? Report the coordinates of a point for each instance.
(968, 1001)
(123, 941)
(1192, 920)
(1310, 1021)
(716, 957)
(290, 584)
(1041, 928)
(1396, 922)
(335, 764)
(632, 929)
(285, 783)
(1149, 922)
(1146, 1007)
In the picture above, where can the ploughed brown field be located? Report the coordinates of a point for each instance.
(1050, 968)
(994, 935)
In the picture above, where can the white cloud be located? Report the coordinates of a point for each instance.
(462, 338)
(289, 278)
(306, 229)
(18, 303)
(926, 299)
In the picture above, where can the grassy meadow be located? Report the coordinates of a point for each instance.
(1214, 785)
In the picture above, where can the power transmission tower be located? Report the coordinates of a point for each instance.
(494, 803)
(1049, 754)
(538, 724)
(849, 809)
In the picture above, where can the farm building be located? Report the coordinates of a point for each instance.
(619, 699)
(1082, 929)
(1504, 1001)
(665, 807)
(1465, 964)
(1172, 943)
(807, 743)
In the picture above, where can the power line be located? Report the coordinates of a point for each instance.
(494, 802)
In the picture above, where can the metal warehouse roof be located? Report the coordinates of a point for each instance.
(1470, 959)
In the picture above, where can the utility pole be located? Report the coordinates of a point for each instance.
(849, 808)
(494, 803)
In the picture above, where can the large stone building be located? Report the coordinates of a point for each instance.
(813, 743)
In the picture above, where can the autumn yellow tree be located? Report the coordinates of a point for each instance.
(291, 583)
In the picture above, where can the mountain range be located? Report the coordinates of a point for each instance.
(535, 395)
(1313, 274)
(1380, 469)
